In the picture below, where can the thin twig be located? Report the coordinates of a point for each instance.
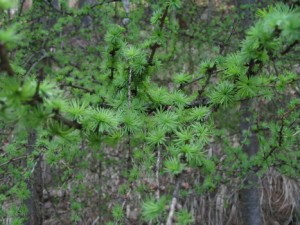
(78, 87)
(155, 46)
(129, 88)
(289, 48)
(200, 78)
(96, 220)
(157, 193)
(222, 48)
(45, 55)
(173, 202)
(70, 123)
(280, 138)
(191, 82)
(14, 159)
(129, 107)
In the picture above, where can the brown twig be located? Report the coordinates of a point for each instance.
(200, 78)
(78, 87)
(155, 46)
(14, 159)
(70, 123)
(289, 48)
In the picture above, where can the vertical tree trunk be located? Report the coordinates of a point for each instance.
(72, 3)
(250, 195)
(35, 185)
(25, 5)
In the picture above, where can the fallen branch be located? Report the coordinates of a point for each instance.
(157, 193)
(173, 202)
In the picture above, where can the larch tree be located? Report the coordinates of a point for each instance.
(93, 113)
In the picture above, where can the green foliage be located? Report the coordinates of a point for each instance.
(223, 94)
(7, 4)
(9, 36)
(93, 100)
(198, 113)
(173, 166)
(153, 209)
(156, 137)
(184, 217)
(102, 120)
(182, 78)
(166, 120)
(117, 212)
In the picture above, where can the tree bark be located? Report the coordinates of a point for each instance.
(250, 194)
(35, 185)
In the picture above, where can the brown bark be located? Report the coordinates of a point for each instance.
(27, 5)
(250, 194)
(35, 185)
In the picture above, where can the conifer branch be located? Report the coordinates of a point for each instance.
(78, 87)
(280, 142)
(200, 78)
(155, 46)
(70, 123)
(211, 71)
(280, 137)
(289, 48)
(191, 82)
(225, 43)
(44, 56)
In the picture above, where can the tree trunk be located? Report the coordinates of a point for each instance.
(35, 185)
(25, 5)
(250, 194)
